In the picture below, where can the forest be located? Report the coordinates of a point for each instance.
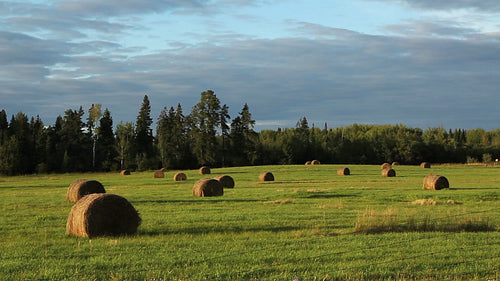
(208, 136)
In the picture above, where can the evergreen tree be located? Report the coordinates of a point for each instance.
(4, 126)
(205, 119)
(106, 143)
(76, 142)
(95, 114)
(243, 138)
(143, 139)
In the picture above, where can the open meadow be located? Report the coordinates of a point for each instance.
(308, 224)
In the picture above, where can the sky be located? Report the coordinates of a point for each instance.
(420, 63)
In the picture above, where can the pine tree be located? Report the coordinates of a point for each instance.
(143, 139)
(106, 143)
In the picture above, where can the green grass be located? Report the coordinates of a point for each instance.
(306, 224)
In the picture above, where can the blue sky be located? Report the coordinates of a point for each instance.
(421, 63)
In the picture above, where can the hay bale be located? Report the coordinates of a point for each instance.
(82, 187)
(395, 164)
(180, 177)
(308, 163)
(208, 187)
(426, 165)
(163, 170)
(204, 170)
(101, 214)
(315, 162)
(386, 166)
(388, 173)
(226, 181)
(158, 175)
(435, 182)
(343, 171)
(125, 173)
(266, 176)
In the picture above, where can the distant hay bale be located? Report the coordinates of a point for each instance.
(82, 187)
(425, 202)
(425, 165)
(226, 181)
(163, 170)
(180, 176)
(386, 166)
(207, 188)
(343, 171)
(266, 176)
(101, 214)
(158, 175)
(308, 163)
(395, 164)
(315, 162)
(125, 172)
(204, 170)
(435, 182)
(388, 173)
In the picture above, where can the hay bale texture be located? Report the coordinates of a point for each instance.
(82, 187)
(388, 173)
(395, 164)
(226, 181)
(308, 163)
(435, 182)
(343, 171)
(102, 214)
(386, 166)
(266, 176)
(158, 174)
(164, 170)
(125, 173)
(180, 176)
(204, 170)
(426, 165)
(315, 162)
(207, 188)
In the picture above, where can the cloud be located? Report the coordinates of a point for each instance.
(490, 6)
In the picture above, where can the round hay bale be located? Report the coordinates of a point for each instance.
(125, 173)
(308, 163)
(343, 171)
(82, 187)
(158, 175)
(386, 166)
(163, 170)
(266, 176)
(180, 177)
(226, 181)
(207, 188)
(315, 162)
(426, 165)
(204, 170)
(435, 182)
(395, 164)
(101, 214)
(388, 173)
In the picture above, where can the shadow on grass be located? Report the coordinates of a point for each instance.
(216, 230)
(195, 200)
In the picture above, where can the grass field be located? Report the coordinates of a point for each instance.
(309, 224)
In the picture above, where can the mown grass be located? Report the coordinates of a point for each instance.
(307, 224)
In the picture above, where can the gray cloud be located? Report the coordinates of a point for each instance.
(490, 6)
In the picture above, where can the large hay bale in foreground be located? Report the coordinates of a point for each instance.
(158, 175)
(101, 214)
(388, 173)
(266, 176)
(386, 166)
(180, 176)
(204, 170)
(207, 188)
(125, 172)
(435, 182)
(226, 181)
(426, 165)
(82, 187)
(343, 171)
(315, 162)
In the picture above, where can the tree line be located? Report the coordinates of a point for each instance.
(208, 136)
